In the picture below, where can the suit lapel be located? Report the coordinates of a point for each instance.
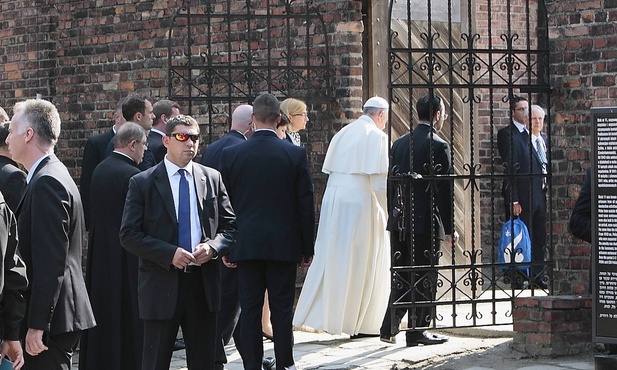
(161, 181)
(43, 163)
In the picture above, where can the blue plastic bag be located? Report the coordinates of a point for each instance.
(514, 245)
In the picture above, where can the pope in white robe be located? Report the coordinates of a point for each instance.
(348, 284)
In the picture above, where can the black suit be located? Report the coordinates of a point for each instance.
(51, 226)
(94, 153)
(212, 155)
(12, 182)
(155, 145)
(520, 158)
(227, 321)
(169, 297)
(270, 186)
(111, 274)
(580, 220)
(13, 280)
(147, 161)
(425, 228)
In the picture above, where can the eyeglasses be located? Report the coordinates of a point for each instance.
(182, 137)
(305, 114)
(521, 108)
(145, 143)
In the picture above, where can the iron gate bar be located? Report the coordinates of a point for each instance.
(245, 54)
(475, 74)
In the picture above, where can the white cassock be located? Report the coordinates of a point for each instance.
(348, 284)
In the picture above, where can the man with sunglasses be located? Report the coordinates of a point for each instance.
(177, 220)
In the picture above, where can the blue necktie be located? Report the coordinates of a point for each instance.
(184, 213)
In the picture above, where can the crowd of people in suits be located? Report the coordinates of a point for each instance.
(213, 247)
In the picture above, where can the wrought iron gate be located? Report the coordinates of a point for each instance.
(225, 53)
(476, 56)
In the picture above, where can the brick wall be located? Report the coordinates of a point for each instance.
(583, 66)
(84, 55)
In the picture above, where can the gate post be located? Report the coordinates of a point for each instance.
(552, 326)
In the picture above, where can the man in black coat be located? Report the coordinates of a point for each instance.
(524, 196)
(178, 219)
(163, 110)
(13, 283)
(580, 220)
(94, 153)
(227, 321)
(50, 226)
(111, 272)
(270, 186)
(12, 179)
(427, 226)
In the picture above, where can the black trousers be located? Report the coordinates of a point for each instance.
(279, 278)
(57, 357)
(228, 323)
(419, 286)
(198, 328)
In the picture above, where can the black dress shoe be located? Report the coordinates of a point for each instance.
(391, 339)
(179, 344)
(268, 363)
(363, 335)
(425, 338)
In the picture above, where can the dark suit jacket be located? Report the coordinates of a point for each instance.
(12, 182)
(270, 186)
(149, 230)
(580, 220)
(155, 145)
(515, 148)
(13, 280)
(111, 274)
(212, 155)
(425, 194)
(94, 153)
(51, 227)
(147, 161)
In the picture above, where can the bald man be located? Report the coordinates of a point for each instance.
(227, 321)
(240, 130)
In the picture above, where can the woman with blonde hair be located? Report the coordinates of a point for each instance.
(295, 109)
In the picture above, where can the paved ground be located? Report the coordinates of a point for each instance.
(474, 350)
(467, 349)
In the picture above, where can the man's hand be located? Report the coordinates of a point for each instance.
(34, 342)
(181, 259)
(516, 209)
(203, 253)
(452, 238)
(227, 262)
(12, 349)
(306, 261)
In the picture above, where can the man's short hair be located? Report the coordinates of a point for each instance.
(427, 106)
(180, 120)
(128, 132)
(266, 108)
(120, 104)
(165, 107)
(134, 104)
(42, 116)
(4, 132)
(3, 116)
(515, 100)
